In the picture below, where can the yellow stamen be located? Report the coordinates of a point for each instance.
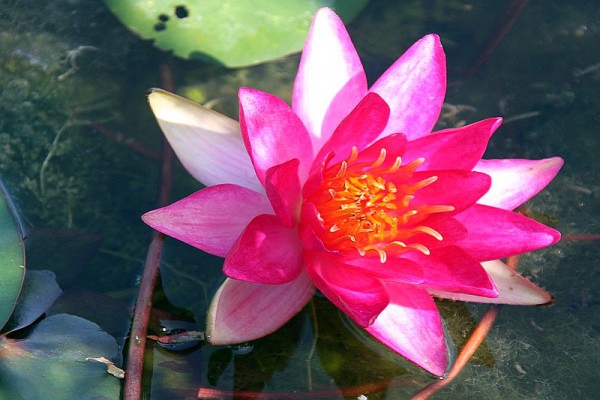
(380, 159)
(368, 207)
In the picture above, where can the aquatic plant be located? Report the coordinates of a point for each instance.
(349, 192)
(232, 33)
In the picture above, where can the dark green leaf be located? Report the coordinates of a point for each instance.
(12, 258)
(50, 363)
(39, 291)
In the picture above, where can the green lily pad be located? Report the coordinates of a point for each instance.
(12, 258)
(51, 362)
(234, 33)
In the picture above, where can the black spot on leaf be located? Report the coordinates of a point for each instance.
(181, 12)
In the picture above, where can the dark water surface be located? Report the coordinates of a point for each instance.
(78, 148)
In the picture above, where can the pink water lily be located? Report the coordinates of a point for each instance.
(348, 191)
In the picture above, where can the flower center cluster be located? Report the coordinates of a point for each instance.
(367, 207)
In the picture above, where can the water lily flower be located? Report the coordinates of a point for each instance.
(348, 191)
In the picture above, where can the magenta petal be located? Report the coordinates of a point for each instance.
(495, 233)
(414, 88)
(283, 189)
(453, 270)
(330, 80)
(456, 188)
(360, 128)
(459, 148)
(210, 219)
(358, 294)
(310, 228)
(399, 269)
(244, 311)
(447, 226)
(512, 288)
(266, 252)
(516, 181)
(394, 146)
(273, 133)
(411, 326)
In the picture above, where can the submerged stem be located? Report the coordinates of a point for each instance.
(476, 338)
(137, 340)
(470, 347)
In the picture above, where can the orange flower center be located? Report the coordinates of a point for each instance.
(367, 207)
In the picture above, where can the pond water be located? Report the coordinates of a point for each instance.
(80, 156)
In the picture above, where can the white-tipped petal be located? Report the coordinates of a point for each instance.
(330, 80)
(515, 181)
(208, 144)
(512, 288)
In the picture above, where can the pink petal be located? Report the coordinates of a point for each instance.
(358, 294)
(414, 88)
(516, 181)
(272, 132)
(208, 144)
(310, 227)
(459, 148)
(330, 80)
(452, 270)
(399, 269)
(447, 226)
(456, 188)
(283, 189)
(360, 128)
(210, 219)
(266, 252)
(512, 288)
(242, 311)
(496, 233)
(411, 326)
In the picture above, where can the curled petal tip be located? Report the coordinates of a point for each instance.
(512, 287)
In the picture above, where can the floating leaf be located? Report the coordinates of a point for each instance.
(50, 362)
(12, 258)
(231, 32)
(39, 291)
(178, 335)
(112, 315)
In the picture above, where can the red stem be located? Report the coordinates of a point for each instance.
(131, 144)
(476, 338)
(581, 237)
(511, 14)
(470, 347)
(137, 339)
